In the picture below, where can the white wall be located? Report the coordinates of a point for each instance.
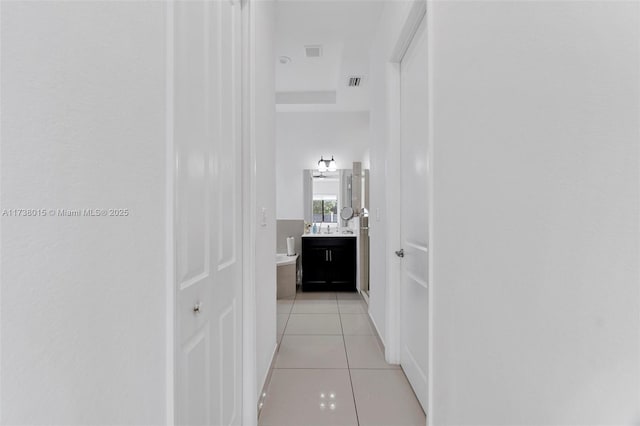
(83, 126)
(536, 161)
(83, 298)
(265, 187)
(536, 200)
(301, 138)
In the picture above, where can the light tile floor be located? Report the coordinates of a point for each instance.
(330, 368)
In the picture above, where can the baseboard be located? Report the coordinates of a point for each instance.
(266, 380)
(377, 330)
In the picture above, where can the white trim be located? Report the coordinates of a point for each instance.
(377, 330)
(249, 218)
(409, 28)
(170, 170)
(430, 166)
(392, 179)
(365, 296)
(1, 352)
(265, 382)
(269, 370)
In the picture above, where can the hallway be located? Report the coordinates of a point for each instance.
(330, 368)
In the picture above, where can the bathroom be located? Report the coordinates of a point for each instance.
(322, 125)
(318, 198)
(335, 206)
(322, 130)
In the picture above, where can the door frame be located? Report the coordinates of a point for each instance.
(249, 216)
(170, 177)
(418, 11)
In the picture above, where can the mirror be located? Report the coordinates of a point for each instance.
(325, 195)
(346, 213)
(324, 200)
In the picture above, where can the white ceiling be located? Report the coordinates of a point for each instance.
(345, 29)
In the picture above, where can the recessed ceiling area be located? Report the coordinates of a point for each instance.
(328, 43)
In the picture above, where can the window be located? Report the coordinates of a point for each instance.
(323, 197)
(325, 208)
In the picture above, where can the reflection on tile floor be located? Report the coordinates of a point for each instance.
(330, 368)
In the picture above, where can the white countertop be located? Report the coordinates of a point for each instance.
(335, 234)
(284, 259)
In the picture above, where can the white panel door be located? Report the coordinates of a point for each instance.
(207, 212)
(415, 214)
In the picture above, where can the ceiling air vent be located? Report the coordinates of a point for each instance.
(354, 81)
(313, 51)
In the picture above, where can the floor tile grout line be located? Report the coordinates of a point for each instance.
(348, 368)
(310, 368)
(338, 368)
(277, 354)
(312, 334)
(284, 330)
(353, 393)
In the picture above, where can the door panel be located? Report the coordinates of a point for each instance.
(228, 72)
(314, 265)
(197, 386)
(343, 261)
(415, 213)
(230, 380)
(207, 205)
(227, 174)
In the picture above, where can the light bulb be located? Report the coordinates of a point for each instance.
(322, 166)
(332, 165)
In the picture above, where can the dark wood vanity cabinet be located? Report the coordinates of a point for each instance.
(328, 263)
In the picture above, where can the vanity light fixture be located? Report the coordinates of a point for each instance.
(326, 165)
(322, 165)
(332, 165)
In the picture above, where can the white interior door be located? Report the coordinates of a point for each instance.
(207, 212)
(414, 216)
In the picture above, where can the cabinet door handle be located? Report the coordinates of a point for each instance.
(330, 255)
(326, 255)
